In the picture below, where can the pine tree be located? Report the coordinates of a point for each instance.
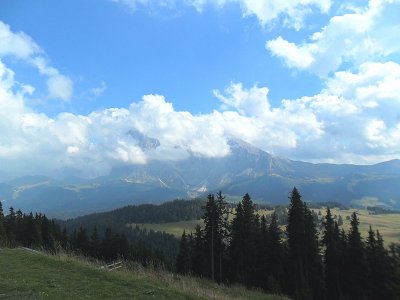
(223, 232)
(94, 243)
(331, 259)
(183, 265)
(381, 280)
(198, 259)
(263, 255)
(243, 247)
(82, 241)
(107, 246)
(303, 250)
(313, 258)
(46, 232)
(29, 231)
(11, 226)
(356, 262)
(215, 223)
(275, 256)
(3, 235)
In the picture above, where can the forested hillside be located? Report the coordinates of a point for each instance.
(297, 261)
(285, 255)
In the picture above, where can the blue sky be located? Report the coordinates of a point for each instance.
(174, 51)
(309, 80)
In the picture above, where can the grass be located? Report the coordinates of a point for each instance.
(175, 228)
(28, 275)
(387, 224)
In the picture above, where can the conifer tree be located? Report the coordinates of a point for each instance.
(263, 255)
(215, 223)
(46, 232)
(223, 232)
(82, 241)
(94, 243)
(3, 235)
(243, 247)
(183, 264)
(199, 261)
(11, 226)
(29, 232)
(356, 262)
(303, 251)
(381, 279)
(275, 256)
(330, 240)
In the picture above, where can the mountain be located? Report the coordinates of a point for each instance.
(247, 169)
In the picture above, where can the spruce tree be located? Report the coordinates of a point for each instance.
(198, 255)
(275, 256)
(381, 279)
(215, 224)
(331, 258)
(243, 247)
(263, 270)
(3, 235)
(11, 226)
(306, 279)
(94, 243)
(356, 262)
(183, 264)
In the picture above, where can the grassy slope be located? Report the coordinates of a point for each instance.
(175, 228)
(27, 275)
(388, 224)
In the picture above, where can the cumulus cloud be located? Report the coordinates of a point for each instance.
(353, 119)
(357, 36)
(22, 46)
(292, 13)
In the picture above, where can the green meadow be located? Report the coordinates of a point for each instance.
(387, 224)
(30, 275)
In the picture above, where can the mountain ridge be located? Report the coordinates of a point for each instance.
(266, 177)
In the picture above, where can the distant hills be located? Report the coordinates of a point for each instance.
(247, 169)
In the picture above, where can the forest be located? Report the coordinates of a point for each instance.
(235, 245)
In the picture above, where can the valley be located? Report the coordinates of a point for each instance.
(246, 169)
(387, 224)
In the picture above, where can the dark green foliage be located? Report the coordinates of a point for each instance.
(249, 250)
(356, 262)
(215, 231)
(331, 256)
(174, 211)
(198, 254)
(183, 261)
(382, 278)
(307, 276)
(3, 235)
(94, 244)
(243, 247)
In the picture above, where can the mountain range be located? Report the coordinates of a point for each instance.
(247, 169)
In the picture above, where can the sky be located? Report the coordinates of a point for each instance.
(311, 80)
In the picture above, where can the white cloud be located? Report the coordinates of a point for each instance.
(358, 36)
(17, 44)
(22, 46)
(355, 118)
(292, 13)
(60, 87)
(295, 57)
(98, 91)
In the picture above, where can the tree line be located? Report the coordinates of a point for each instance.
(296, 261)
(38, 232)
